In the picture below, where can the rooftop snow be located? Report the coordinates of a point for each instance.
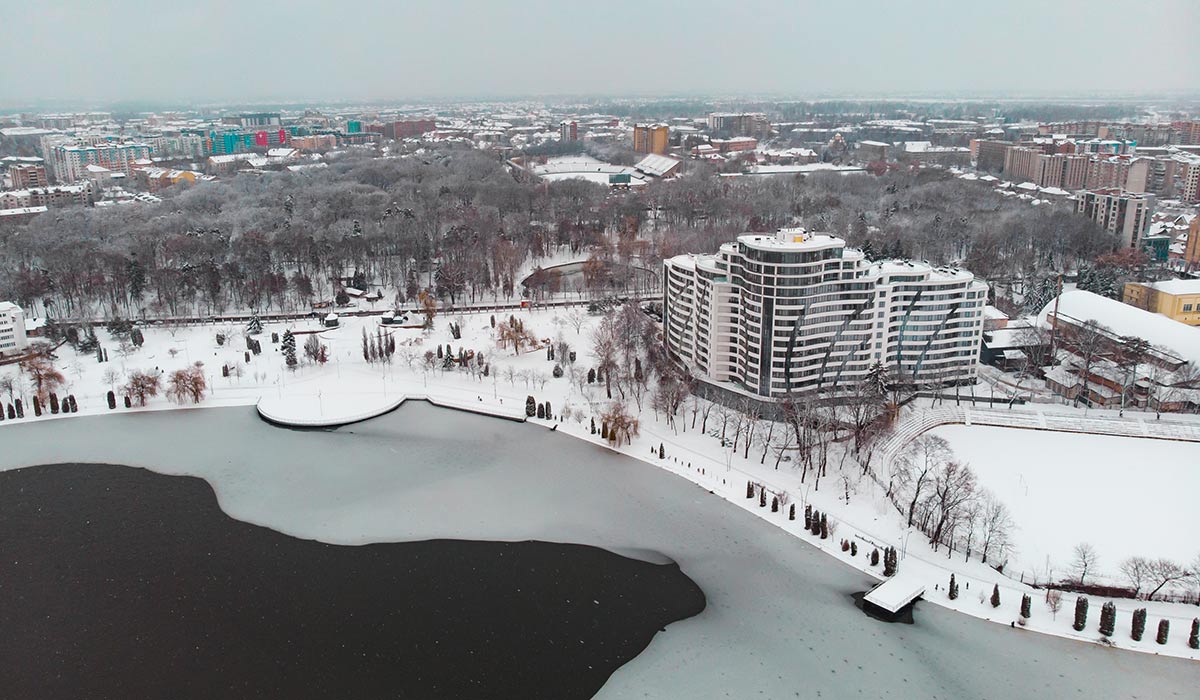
(1123, 319)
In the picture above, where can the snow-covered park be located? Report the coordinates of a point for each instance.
(1124, 496)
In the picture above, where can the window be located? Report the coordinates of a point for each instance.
(1187, 308)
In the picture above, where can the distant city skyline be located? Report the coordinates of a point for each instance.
(384, 52)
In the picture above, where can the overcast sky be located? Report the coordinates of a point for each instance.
(244, 50)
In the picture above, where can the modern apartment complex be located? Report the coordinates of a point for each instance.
(12, 329)
(796, 312)
(69, 162)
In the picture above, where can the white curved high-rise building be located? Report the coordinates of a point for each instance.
(794, 311)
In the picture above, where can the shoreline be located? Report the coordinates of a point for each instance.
(442, 397)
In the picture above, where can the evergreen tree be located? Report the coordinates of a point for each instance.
(541, 411)
(593, 419)
(1164, 630)
(128, 403)
(824, 527)
(853, 548)
(604, 436)
(530, 403)
(37, 407)
(549, 413)
(20, 409)
(762, 497)
(995, 595)
(952, 591)
(875, 557)
(775, 504)
(493, 320)
(662, 453)
(1081, 610)
(1138, 627)
(592, 376)
(439, 351)
(1108, 618)
(255, 326)
(289, 348)
(53, 403)
(792, 512)
(889, 561)
(1194, 637)
(808, 517)
(1026, 606)
(749, 489)
(136, 337)
(557, 371)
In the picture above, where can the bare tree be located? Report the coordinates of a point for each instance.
(954, 487)
(43, 375)
(916, 466)
(995, 526)
(1164, 572)
(1084, 560)
(1137, 571)
(185, 384)
(1054, 602)
(142, 385)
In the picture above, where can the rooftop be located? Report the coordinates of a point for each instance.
(1177, 286)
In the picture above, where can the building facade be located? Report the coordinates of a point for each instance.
(69, 162)
(12, 329)
(1126, 215)
(651, 138)
(799, 312)
(27, 176)
(1178, 300)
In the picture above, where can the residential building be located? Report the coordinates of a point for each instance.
(1124, 214)
(774, 314)
(736, 144)
(988, 154)
(27, 176)
(1191, 253)
(740, 124)
(12, 329)
(68, 162)
(568, 131)
(1178, 300)
(82, 193)
(410, 128)
(926, 153)
(651, 138)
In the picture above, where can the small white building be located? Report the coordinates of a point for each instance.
(12, 329)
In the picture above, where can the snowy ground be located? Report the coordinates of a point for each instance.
(1066, 488)
(856, 504)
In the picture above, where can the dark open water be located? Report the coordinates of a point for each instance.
(120, 583)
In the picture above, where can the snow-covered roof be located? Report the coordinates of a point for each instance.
(1177, 286)
(1125, 320)
(656, 165)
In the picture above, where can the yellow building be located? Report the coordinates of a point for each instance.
(650, 138)
(1175, 299)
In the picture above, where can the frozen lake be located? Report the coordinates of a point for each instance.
(1067, 488)
(780, 621)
